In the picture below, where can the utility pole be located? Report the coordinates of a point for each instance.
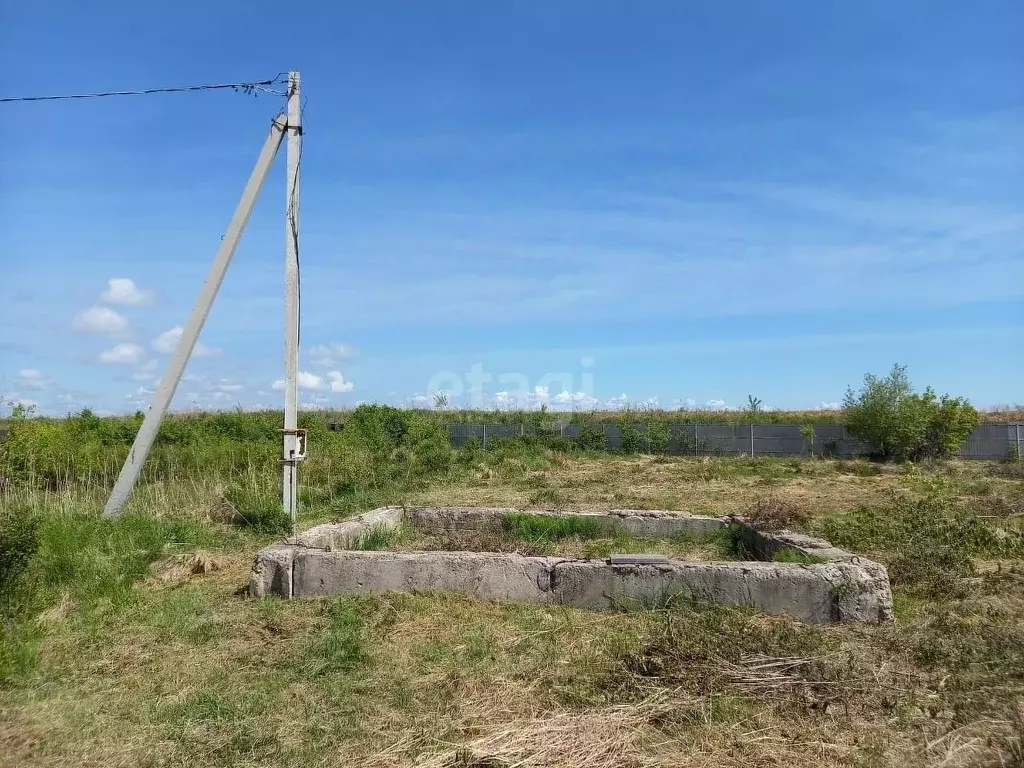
(186, 343)
(294, 448)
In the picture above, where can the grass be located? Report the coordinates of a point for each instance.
(130, 642)
(538, 535)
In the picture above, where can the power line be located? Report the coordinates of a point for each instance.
(246, 87)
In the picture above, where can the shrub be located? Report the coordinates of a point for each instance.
(903, 425)
(592, 437)
(19, 539)
(427, 447)
(381, 427)
(632, 441)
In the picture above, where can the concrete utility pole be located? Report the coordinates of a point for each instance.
(294, 448)
(183, 350)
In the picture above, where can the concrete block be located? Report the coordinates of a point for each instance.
(485, 576)
(652, 524)
(346, 533)
(659, 524)
(315, 564)
(272, 572)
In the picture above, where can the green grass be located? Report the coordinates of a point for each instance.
(550, 528)
(788, 555)
(379, 537)
(103, 663)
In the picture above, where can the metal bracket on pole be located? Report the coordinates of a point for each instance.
(183, 350)
(300, 436)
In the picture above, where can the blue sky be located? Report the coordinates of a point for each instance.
(564, 202)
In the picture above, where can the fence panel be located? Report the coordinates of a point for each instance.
(998, 441)
(723, 439)
(779, 440)
(988, 441)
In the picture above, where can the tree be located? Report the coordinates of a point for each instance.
(902, 425)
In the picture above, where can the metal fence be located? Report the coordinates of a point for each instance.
(988, 441)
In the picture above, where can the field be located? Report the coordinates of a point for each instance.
(132, 642)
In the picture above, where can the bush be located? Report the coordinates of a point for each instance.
(591, 437)
(427, 448)
(928, 544)
(632, 441)
(381, 427)
(19, 539)
(902, 425)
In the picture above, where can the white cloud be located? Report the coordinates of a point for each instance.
(33, 378)
(823, 406)
(306, 380)
(167, 340)
(121, 290)
(228, 388)
(123, 354)
(338, 383)
(330, 354)
(619, 401)
(100, 320)
(575, 399)
(718, 404)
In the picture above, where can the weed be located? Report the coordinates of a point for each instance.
(790, 555)
(379, 537)
(523, 525)
(772, 514)
(259, 510)
(927, 543)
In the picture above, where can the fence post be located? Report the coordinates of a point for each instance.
(751, 441)
(483, 428)
(1016, 429)
(695, 450)
(522, 430)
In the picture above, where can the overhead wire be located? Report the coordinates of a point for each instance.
(254, 86)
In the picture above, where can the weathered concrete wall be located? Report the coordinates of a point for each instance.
(642, 523)
(345, 534)
(819, 593)
(494, 576)
(317, 564)
(874, 578)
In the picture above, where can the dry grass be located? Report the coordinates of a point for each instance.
(189, 672)
(700, 486)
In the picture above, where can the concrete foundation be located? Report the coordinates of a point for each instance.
(836, 586)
